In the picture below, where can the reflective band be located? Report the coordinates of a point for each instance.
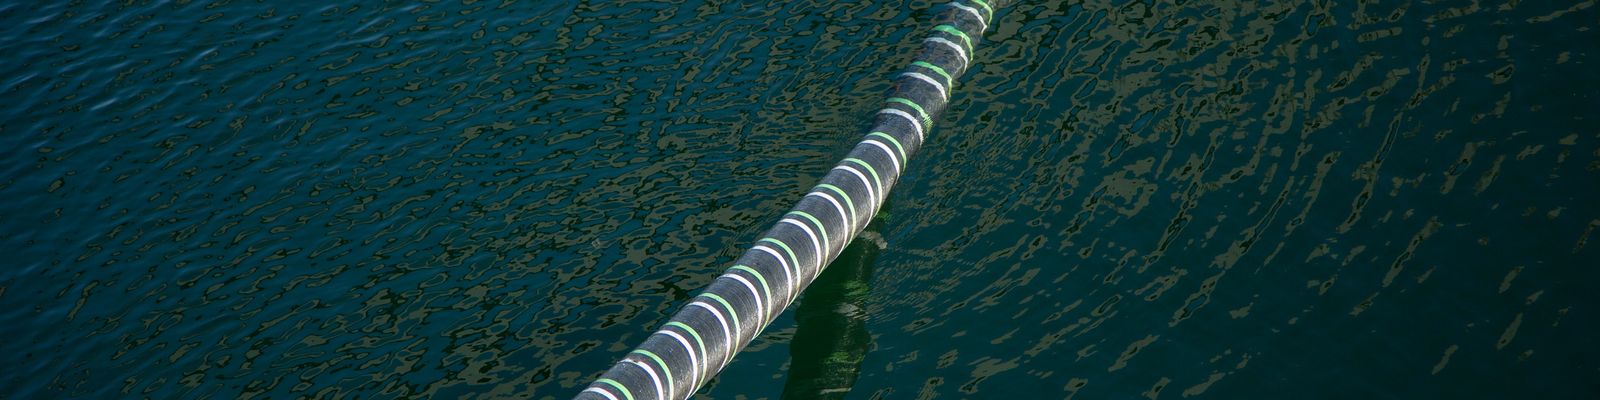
(761, 310)
(694, 373)
(943, 94)
(822, 229)
(602, 393)
(814, 244)
(827, 218)
(894, 162)
(849, 225)
(967, 40)
(849, 205)
(913, 120)
(870, 170)
(982, 24)
(985, 6)
(896, 143)
(793, 260)
(701, 343)
(665, 370)
(732, 313)
(726, 333)
(785, 265)
(864, 183)
(961, 53)
(914, 106)
(948, 80)
(625, 392)
(764, 288)
(660, 391)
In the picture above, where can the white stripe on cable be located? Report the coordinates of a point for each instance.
(726, 333)
(892, 158)
(607, 395)
(814, 243)
(943, 95)
(864, 183)
(849, 225)
(983, 25)
(660, 394)
(694, 375)
(792, 283)
(754, 294)
(962, 53)
(913, 120)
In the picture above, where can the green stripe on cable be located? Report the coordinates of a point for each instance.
(966, 40)
(792, 258)
(625, 392)
(846, 196)
(948, 81)
(758, 276)
(926, 121)
(671, 388)
(870, 170)
(986, 7)
(731, 312)
(896, 143)
(697, 340)
(820, 227)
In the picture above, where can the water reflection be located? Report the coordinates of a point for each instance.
(831, 337)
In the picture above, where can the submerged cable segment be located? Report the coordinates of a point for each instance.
(706, 333)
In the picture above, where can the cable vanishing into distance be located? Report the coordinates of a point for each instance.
(698, 341)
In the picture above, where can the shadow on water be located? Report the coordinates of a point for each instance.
(831, 335)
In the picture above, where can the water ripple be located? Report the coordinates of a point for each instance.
(1158, 199)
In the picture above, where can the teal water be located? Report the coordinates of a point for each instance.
(498, 199)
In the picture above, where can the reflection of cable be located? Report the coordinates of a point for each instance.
(703, 336)
(831, 338)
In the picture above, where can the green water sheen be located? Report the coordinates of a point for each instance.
(1163, 200)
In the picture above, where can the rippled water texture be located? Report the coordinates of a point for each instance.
(1125, 199)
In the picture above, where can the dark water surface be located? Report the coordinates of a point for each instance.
(451, 199)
